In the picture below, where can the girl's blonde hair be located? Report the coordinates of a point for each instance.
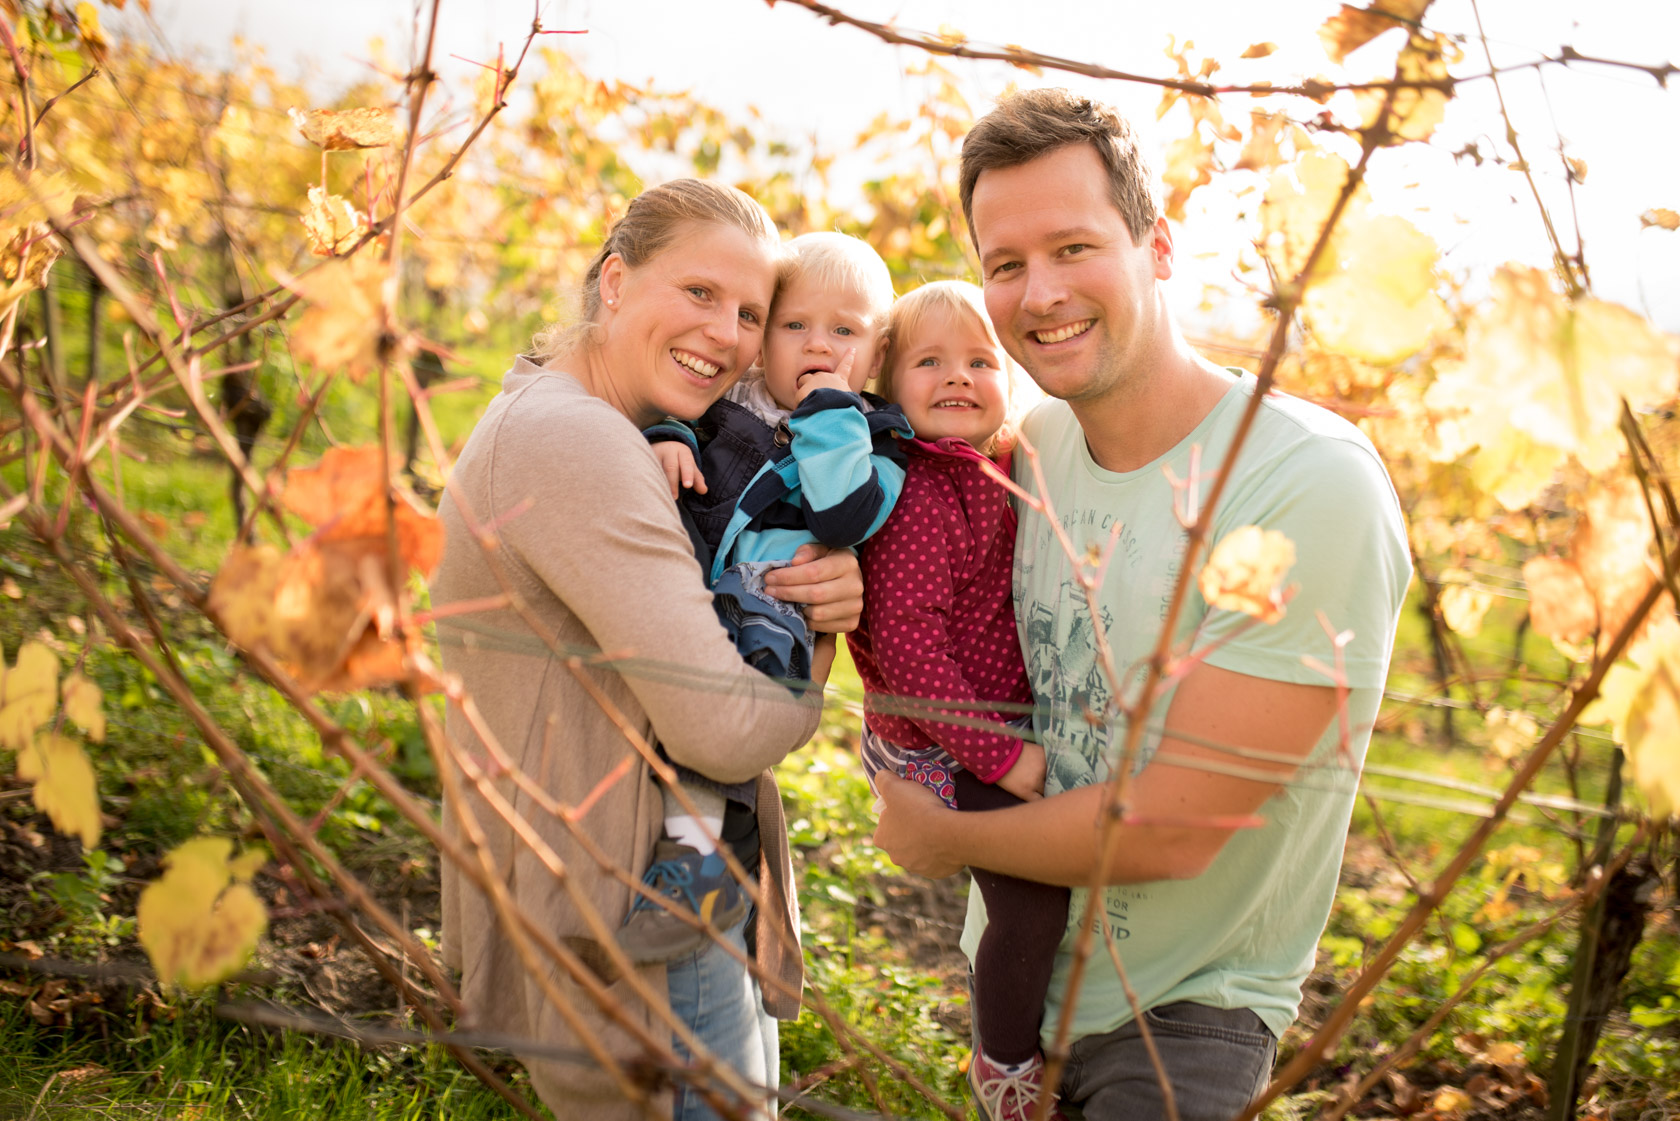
(959, 298)
(650, 225)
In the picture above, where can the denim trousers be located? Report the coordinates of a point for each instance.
(1217, 1060)
(720, 1002)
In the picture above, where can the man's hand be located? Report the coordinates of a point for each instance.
(1025, 779)
(677, 458)
(912, 819)
(840, 378)
(826, 581)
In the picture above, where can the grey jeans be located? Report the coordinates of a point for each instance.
(1218, 1060)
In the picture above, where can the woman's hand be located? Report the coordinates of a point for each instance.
(913, 819)
(826, 581)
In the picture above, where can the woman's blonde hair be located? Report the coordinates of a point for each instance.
(649, 226)
(955, 297)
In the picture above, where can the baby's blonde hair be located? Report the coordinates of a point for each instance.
(960, 298)
(841, 261)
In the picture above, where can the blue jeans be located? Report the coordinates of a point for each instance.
(720, 1001)
(1218, 1060)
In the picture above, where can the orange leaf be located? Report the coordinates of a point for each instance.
(1612, 550)
(1351, 28)
(1560, 605)
(343, 496)
(1661, 218)
(1260, 152)
(317, 610)
(242, 595)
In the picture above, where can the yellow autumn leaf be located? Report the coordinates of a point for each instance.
(200, 920)
(64, 785)
(87, 26)
(1297, 202)
(331, 223)
(28, 693)
(1380, 303)
(1259, 50)
(340, 327)
(1463, 604)
(1188, 165)
(344, 130)
(83, 705)
(1245, 570)
(248, 863)
(1449, 1102)
(1640, 699)
(1660, 217)
(1554, 370)
(1514, 468)
(1511, 731)
(1413, 112)
(236, 133)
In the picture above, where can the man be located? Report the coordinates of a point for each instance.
(1216, 927)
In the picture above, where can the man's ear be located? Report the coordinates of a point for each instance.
(1161, 246)
(613, 271)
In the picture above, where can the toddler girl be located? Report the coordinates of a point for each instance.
(939, 626)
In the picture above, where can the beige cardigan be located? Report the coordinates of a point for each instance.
(592, 542)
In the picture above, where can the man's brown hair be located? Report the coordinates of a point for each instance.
(1027, 124)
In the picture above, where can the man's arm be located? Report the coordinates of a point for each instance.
(1055, 840)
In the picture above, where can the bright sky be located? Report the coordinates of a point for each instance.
(808, 78)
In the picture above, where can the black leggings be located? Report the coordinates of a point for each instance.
(1024, 926)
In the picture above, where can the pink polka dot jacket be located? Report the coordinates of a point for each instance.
(938, 621)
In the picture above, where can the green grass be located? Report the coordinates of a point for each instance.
(195, 1067)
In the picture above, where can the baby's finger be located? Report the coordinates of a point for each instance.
(674, 477)
(844, 370)
(699, 482)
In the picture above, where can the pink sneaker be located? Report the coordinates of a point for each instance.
(999, 1096)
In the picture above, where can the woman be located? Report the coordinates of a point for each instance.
(591, 548)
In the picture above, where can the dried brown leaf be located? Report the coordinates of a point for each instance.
(344, 130)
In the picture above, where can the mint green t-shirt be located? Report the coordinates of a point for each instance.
(1243, 934)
